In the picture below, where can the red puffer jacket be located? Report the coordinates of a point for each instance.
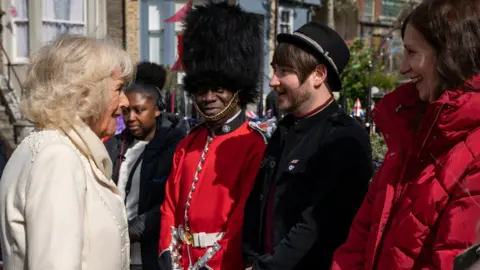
(423, 206)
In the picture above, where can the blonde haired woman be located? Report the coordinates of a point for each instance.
(58, 207)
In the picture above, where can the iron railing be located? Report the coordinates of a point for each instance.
(8, 108)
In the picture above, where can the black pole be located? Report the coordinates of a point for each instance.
(370, 81)
(124, 25)
(260, 104)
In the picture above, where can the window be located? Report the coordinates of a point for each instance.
(285, 20)
(155, 46)
(63, 17)
(368, 10)
(392, 8)
(19, 14)
(155, 32)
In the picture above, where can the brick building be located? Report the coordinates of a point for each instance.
(384, 11)
(123, 24)
(348, 21)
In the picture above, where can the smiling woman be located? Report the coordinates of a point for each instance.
(59, 208)
(422, 208)
(419, 62)
(441, 54)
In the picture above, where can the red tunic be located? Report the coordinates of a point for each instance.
(216, 203)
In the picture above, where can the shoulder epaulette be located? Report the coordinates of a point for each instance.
(264, 133)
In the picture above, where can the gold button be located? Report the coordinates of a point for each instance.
(188, 237)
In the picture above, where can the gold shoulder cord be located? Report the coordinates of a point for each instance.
(221, 114)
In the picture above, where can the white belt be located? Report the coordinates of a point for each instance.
(201, 240)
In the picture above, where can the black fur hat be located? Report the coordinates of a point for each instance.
(222, 48)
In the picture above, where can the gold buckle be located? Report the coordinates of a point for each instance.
(188, 237)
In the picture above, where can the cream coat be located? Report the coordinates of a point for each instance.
(58, 208)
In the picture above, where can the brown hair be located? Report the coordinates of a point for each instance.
(292, 57)
(452, 28)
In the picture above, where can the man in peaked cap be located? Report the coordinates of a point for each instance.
(215, 166)
(317, 165)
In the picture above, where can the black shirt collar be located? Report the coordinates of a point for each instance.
(300, 124)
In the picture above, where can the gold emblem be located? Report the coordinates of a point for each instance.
(188, 237)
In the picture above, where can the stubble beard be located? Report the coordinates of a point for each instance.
(297, 97)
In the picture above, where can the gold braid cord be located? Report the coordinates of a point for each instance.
(221, 114)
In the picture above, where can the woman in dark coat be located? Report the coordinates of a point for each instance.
(142, 159)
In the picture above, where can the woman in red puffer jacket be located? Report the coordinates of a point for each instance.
(423, 206)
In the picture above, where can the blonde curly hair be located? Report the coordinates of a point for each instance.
(68, 78)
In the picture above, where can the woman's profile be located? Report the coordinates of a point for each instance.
(59, 208)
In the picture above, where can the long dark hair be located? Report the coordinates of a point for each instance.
(452, 28)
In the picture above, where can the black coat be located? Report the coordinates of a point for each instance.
(156, 166)
(320, 168)
(3, 156)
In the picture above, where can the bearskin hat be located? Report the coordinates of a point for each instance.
(222, 48)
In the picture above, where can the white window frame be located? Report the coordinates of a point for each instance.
(161, 35)
(13, 53)
(155, 28)
(370, 14)
(18, 59)
(281, 23)
(67, 22)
